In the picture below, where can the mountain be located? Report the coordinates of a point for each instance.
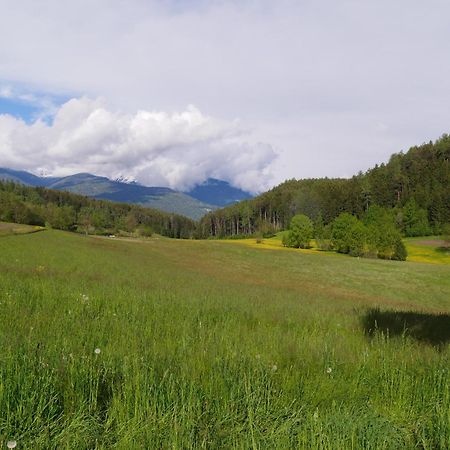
(20, 176)
(218, 192)
(161, 198)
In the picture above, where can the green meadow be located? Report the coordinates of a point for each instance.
(161, 343)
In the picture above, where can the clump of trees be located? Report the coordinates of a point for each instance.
(375, 236)
(71, 212)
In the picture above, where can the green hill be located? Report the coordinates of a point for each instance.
(202, 344)
(161, 198)
(421, 175)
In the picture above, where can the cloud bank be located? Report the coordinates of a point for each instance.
(178, 150)
(334, 86)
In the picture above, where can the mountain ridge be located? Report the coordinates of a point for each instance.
(194, 204)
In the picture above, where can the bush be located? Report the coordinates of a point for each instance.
(357, 238)
(300, 232)
(144, 231)
(340, 232)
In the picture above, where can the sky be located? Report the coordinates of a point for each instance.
(171, 92)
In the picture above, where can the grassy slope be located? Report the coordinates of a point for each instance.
(210, 345)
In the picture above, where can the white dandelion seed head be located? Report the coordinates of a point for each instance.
(329, 369)
(11, 444)
(97, 351)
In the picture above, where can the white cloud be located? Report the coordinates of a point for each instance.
(155, 148)
(311, 77)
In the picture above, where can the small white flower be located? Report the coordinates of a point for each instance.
(329, 369)
(11, 444)
(97, 351)
(274, 368)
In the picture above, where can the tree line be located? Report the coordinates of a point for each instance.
(413, 186)
(72, 212)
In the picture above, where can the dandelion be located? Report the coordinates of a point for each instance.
(11, 444)
(97, 351)
(329, 369)
(274, 368)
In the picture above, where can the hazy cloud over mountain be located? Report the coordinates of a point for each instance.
(332, 86)
(176, 150)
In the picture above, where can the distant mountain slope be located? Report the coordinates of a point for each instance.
(161, 198)
(218, 192)
(20, 176)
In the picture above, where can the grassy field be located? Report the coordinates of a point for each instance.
(200, 344)
(7, 229)
(431, 250)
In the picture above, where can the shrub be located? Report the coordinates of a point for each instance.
(340, 232)
(300, 232)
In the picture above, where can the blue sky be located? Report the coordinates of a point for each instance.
(29, 104)
(253, 91)
(19, 109)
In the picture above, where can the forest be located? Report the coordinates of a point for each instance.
(414, 187)
(72, 212)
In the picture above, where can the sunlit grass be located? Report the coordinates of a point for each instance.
(7, 229)
(427, 250)
(198, 344)
(430, 253)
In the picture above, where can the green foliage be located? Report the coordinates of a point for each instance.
(357, 238)
(415, 221)
(300, 232)
(376, 236)
(446, 234)
(68, 211)
(341, 232)
(145, 231)
(400, 253)
(422, 174)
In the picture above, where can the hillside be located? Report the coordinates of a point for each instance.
(161, 198)
(421, 175)
(35, 205)
(202, 344)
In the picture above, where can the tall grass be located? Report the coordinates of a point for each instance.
(204, 345)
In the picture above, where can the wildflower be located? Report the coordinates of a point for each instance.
(329, 369)
(97, 351)
(84, 298)
(274, 368)
(11, 444)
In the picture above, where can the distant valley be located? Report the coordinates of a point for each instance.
(206, 197)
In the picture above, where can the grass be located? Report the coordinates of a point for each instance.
(207, 345)
(428, 250)
(7, 229)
